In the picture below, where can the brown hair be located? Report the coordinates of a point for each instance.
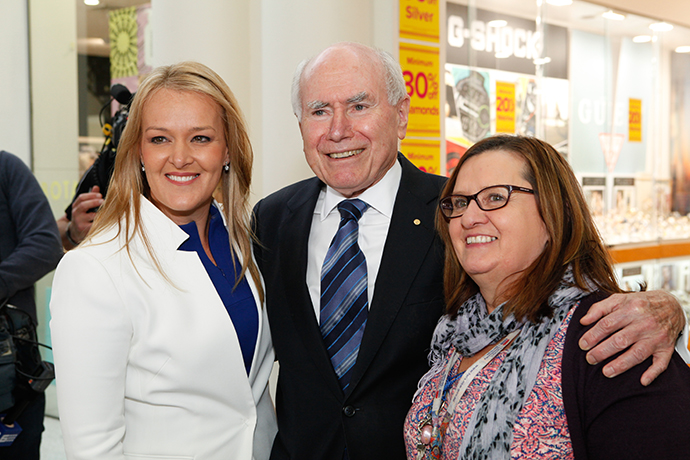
(122, 205)
(573, 237)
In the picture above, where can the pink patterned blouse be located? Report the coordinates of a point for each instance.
(541, 430)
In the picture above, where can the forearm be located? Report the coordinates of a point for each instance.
(63, 224)
(32, 259)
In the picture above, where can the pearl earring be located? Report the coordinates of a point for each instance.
(226, 167)
(142, 168)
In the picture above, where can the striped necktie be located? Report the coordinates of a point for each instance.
(344, 299)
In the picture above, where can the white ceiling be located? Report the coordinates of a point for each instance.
(676, 11)
(93, 20)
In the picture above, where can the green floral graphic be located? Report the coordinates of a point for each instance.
(123, 43)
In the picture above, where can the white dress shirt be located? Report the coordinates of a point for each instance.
(373, 229)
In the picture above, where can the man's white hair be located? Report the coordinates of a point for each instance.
(395, 84)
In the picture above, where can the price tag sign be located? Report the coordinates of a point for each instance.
(419, 20)
(420, 65)
(505, 107)
(426, 155)
(635, 120)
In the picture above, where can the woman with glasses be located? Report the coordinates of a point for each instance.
(524, 262)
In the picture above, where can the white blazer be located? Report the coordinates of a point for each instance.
(147, 369)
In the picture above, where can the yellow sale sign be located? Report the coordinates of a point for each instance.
(419, 20)
(635, 120)
(424, 154)
(420, 65)
(505, 107)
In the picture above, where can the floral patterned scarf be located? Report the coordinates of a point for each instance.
(490, 430)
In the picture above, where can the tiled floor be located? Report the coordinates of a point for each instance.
(51, 443)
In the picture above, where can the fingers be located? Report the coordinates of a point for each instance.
(634, 356)
(85, 199)
(619, 342)
(612, 320)
(601, 309)
(82, 216)
(636, 326)
(659, 365)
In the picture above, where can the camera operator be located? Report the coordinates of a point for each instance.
(76, 222)
(29, 248)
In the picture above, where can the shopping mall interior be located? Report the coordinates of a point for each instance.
(606, 82)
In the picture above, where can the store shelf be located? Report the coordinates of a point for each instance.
(649, 251)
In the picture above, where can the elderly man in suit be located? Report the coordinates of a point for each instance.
(353, 266)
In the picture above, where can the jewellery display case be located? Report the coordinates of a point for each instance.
(608, 91)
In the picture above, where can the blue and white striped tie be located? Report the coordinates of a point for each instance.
(344, 299)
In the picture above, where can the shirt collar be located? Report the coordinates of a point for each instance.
(380, 196)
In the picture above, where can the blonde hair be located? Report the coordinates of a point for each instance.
(123, 202)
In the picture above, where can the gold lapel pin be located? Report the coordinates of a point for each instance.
(417, 221)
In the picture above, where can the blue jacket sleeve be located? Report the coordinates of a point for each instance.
(29, 239)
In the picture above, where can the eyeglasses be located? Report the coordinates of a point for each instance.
(488, 199)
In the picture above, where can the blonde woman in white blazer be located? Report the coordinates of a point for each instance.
(161, 342)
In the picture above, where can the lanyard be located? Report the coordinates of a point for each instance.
(432, 428)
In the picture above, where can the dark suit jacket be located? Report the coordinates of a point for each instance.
(315, 419)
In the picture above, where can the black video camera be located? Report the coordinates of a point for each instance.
(23, 373)
(102, 169)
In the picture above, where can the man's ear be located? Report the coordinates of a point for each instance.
(403, 116)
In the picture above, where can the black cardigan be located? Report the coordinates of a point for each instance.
(619, 418)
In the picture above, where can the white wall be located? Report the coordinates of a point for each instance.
(255, 46)
(54, 99)
(291, 32)
(15, 127)
(213, 32)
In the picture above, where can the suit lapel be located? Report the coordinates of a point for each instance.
(293, 250)
(410, 236)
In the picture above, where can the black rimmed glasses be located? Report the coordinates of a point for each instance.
(488, 199)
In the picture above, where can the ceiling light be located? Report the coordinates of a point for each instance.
(542, 61)
(661, 27)
(610, 14)
(642, 39)
(91, 2)
(683, 49)
(559, 2)
(497, 23)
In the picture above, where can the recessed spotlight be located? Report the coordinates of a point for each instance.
(612, 15)
(91, 2)
(497, 23)
(542, 61)
(683, 49)
(642, 39)
(559, 2)
(661, 27)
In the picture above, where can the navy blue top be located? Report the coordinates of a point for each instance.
(29, 239)
(239, 302)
